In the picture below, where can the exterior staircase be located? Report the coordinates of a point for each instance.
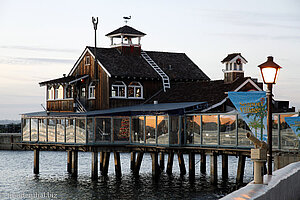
(163, 75)
(79, 107)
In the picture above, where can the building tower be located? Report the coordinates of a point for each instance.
(127, 40)
(233, 67)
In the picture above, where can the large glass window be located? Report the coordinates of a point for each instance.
(174, 129)
(103, 129)
(69, 92)
(193, 129)
(118, 90)
(42, 130)
(162, 130)
(150, 129)
(34, 129)
(210, 129)
(60, 130)
(51, 130)
(70, 135)
(121, 129)
(80, 131)
(91, 130)
(137, 129)
(92, 91)
(289, 140)
(135, 90)
(243, 129)
(228, 130)
(26, 129)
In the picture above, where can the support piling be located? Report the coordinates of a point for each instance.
(170, 162)
(214, 168)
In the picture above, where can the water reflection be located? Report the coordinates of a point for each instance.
(17, 178)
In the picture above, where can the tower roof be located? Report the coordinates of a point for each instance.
(125, 30)
(230, 57)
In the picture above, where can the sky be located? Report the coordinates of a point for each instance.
(41, 40)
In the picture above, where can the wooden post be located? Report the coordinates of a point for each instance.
(94, 165)
(181, 163)
(101, 160)
(69, 162)
(192, 165)
(105, 163)
(203, 163)
(36, 161)
(214, 168)
(138, 162)
(161, 161)
(117, 164)
(155, 167)
(224, 166)
(240, 169)
(132, 161)
(170, 162)
(74, 163)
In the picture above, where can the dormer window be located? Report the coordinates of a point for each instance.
(87, 60)
(92, 91)
(118, 90)
(50, 94)
(135, 90)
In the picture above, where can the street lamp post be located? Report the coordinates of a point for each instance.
(269, 71)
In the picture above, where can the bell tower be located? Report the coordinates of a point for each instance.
(234, 64)
(127, 40)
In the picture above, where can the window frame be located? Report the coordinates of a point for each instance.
(93, 87)
(122, 85)
(87, 61)
(135, 87)
(66, 92)
(51, 91)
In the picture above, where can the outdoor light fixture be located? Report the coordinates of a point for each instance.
(269, 71)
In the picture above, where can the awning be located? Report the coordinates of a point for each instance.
(142, 109)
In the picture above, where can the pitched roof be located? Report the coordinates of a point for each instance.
(211, 92)
(229, 57)
(126, 30)
(62, 80)
(175, 65)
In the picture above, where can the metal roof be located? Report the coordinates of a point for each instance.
(142, 109)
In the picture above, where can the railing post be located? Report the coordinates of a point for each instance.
(201, 132)
(279, 133)
(237, 131)
(219, 138)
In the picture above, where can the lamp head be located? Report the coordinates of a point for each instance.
(269, 71)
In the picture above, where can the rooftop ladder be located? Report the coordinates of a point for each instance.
(163, 75)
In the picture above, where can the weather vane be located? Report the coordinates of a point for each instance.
(126, 19)
(95, 22)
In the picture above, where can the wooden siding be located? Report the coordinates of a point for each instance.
(60, 105)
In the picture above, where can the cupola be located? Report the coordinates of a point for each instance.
(233, 67)
(127, 40)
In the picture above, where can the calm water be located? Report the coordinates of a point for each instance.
(18, 182)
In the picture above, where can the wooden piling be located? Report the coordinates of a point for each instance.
(203, 163)
(138, 162)
(192, 165)
(170, 162)
(240, 169)
(106, 163)
(36, 161)
(132, 161)
(214, 168)
(69, 162)
(224, 166)
(181, 163)
(117, 164)
(74, 163)
(161, 161)
(94, 165)
(101, 161)
(155, 167)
